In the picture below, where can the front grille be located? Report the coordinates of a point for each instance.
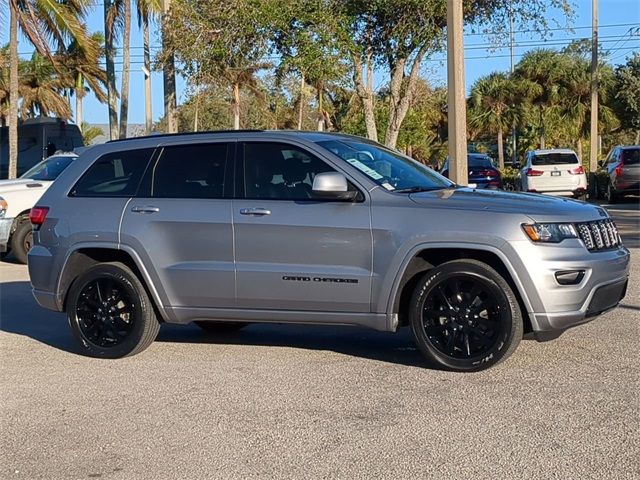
(599, 235)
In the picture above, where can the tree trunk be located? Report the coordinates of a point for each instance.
(235, 106)
(500, 150)
(579, 148)
(365, 93)
(401, 98)
(319, 93)
(79, 113)
(410, 151)
(301, 100)
(148, 117)
(112, 91)
(542, 143)
(126, 66)
(169, 77)
(637, 137)
(13, 94)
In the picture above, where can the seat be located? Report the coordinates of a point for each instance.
(295, 173)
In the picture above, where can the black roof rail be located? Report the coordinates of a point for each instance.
(162, 135)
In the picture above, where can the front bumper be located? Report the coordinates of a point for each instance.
(5, 232)
(555, 307)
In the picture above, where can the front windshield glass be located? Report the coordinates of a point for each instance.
(385, 167)
(48, 169)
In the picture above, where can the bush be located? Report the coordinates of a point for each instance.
(510, 179)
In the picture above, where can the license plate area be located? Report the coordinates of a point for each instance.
(555, 174)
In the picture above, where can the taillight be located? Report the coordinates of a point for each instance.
(577, 170)
(488, 173)
(37, 215)
(619, 170)
(534, 173)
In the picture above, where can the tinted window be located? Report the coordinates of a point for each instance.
(114, 174)
(385, 167)
(554, 159)
(280, 171)
(190, 171)
(631, 156)
(48, 169)
(480, 161)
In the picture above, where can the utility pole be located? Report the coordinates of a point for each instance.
(593, 137)
(514, 140)
(146, 69)
(456, 105)
(169, 77)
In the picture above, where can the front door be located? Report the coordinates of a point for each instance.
(293, 252)
(181, 222)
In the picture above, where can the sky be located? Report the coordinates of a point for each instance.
(616, 18)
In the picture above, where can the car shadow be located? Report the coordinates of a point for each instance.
(21, 315)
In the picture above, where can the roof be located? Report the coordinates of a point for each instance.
(549, 151)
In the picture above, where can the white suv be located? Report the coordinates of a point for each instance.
(554, 172)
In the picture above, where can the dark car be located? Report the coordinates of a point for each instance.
(623, 167)
(482, 172)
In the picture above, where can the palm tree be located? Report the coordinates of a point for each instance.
(39, 22)
(82, 66)
(41, 89)
(497, 102)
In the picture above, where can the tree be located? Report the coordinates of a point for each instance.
(627, 96)
(222, 43)
(81, 66)
(497, 102)
(111, 19)
(40, 22)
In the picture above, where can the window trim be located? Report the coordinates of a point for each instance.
(144, 190)
(239, 192)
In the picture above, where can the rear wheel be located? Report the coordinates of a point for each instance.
(465, 317)
(611, 195)
(22, 239)
(213, 328)
(110, 313)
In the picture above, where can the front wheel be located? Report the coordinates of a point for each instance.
(22, 239)
(110, 313)
(465, 317)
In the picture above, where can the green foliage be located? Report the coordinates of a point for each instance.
(627, 94)
(89, 133)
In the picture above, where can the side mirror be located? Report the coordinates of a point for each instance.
(332, 185)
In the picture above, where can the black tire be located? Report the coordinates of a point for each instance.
(22, 239)
(107, 296)
(611, 195)
(485, 318)
(215, 328)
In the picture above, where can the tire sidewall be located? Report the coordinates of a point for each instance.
(23, 228)
(511, 325)
(140, 308)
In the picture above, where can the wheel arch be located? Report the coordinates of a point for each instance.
(85, 256)
(424, 258)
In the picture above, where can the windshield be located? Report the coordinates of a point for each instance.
(48, 169)
(480, 161)
(554, 159)
(385, 167)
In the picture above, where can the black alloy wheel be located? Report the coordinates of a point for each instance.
(110, 312)
(465, 317)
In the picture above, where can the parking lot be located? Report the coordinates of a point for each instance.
(310, 402)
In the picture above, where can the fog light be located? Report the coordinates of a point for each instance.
(569, 277)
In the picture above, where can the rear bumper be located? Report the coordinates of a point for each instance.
(5, 232)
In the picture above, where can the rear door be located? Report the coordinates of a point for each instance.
(294, 252)
(181, 223)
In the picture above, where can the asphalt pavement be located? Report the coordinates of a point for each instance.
(277, 401)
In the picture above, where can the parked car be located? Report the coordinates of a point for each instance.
(482, 171)
(22, 194)
(554, 172)
(623, 166)
(314, 228)
(38, 138)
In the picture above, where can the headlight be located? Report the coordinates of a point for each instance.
(550, 232)
(3, 207)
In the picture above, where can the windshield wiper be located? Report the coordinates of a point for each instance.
(418, 188)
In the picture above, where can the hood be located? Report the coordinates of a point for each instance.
(21, 184)
(540, 208)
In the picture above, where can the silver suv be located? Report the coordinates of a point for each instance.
(229, 228)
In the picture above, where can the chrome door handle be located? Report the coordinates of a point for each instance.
(145, 209)
(258, 212)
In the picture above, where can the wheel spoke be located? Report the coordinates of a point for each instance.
(435, 330)
(444, 297)
(466, 343)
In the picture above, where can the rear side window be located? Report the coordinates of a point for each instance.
(554, 159)
(631, 156)
(190, 171)
(115, 174)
